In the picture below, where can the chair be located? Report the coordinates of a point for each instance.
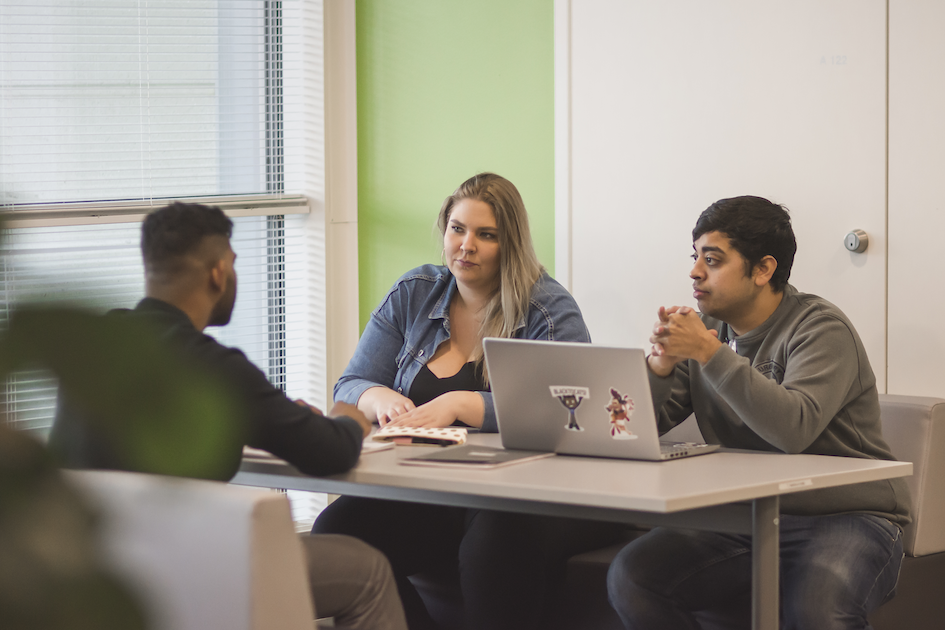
(202, 554)
(914, 428)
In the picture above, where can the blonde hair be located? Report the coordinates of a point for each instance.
(519, 268)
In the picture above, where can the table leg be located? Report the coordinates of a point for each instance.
(765, 564)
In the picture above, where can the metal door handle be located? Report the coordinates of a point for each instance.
(856, 241)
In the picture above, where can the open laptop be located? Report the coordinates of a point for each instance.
(577, 399)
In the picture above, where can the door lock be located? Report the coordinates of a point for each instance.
(856, 241)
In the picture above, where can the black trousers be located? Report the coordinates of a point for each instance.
(510, 565)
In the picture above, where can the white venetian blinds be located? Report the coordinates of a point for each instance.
(123, 99)
(111, 107)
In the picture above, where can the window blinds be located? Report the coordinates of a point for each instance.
(116, 99)
(111, 102)
(99, 267)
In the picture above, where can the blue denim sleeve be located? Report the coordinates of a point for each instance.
(489, 423)
(375, 359)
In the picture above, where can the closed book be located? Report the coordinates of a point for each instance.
(472, 456)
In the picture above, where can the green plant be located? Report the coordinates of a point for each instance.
(169, 417)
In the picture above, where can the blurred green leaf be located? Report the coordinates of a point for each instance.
(164, 414)
(51, 577)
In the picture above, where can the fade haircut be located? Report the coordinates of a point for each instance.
(170, 234)
(756, 228)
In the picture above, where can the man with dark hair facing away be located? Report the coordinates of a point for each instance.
(767, 368)
(190, 283)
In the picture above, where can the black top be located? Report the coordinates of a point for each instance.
(314, 444)
(427, 386)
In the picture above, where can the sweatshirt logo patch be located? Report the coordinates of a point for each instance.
(772, 370)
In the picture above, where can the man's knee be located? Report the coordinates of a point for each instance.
(627, 581)
(359, 557)
(822, 599)
(668, 573)
(377, 568)
(841, 574)
(341, 559)
(352, 582)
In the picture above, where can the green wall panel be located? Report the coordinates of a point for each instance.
(447, 89)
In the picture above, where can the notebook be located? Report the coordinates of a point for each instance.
(436, 436)
(577, 399)
(473, 456)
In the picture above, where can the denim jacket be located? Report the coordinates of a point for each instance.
(414, 319)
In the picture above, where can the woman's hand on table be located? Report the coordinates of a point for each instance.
(384, 404)
(444, 410)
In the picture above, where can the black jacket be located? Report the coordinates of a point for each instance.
(267, 419)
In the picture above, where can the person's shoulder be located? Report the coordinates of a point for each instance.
(421, 280)
(553, 313)
(813, 317)
(145, 309)
(152, 310)
(547, 292)
(211, 348)
(810, 306)
(173, 326)
(154, 317)
(548, 286)
(412, 290)
(428, 273)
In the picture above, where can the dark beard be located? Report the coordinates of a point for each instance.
(223, 309)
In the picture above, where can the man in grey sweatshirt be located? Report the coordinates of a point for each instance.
(766, 368)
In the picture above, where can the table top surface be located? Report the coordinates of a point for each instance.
(723, 477)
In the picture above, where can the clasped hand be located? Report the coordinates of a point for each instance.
(680, 334)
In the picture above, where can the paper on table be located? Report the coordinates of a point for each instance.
(367, 446)
(370, 446)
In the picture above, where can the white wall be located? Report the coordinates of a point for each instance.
(673, 105)
(916, 196)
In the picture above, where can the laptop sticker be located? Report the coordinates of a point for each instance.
(570, 397)
(620, 408)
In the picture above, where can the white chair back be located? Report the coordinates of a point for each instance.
(202, 554)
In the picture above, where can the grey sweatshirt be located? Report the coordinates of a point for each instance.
(799, 383)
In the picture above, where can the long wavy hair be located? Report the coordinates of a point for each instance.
(519, 268)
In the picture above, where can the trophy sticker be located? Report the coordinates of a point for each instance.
(570, 397)
(620, 408)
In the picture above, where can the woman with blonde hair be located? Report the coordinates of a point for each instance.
(420, 363)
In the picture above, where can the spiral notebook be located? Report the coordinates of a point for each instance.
(433, 436)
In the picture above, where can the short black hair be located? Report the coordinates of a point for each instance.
(176, 230)
(756, 228)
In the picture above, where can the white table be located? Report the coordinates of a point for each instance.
(727, 491)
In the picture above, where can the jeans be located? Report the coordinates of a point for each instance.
(835, 571)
